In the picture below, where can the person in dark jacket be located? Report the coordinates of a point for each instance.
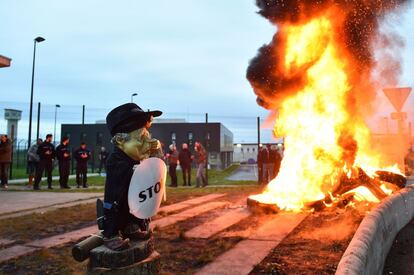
(47, 154)
(172, 158)
(128, 126)
(103, 156)
(267, 165)
(63, 156)
(276, 159)
(33, 161)
(185, 158)
(260, 165)
(5, 160)
(82, 155)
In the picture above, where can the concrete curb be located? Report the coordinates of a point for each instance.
(372, 241)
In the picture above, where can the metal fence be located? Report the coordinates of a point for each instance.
(244, 128)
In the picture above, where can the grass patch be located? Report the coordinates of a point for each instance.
(56, 260)
(215, 177)
(41, 225)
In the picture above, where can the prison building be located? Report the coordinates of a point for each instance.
(217, 139)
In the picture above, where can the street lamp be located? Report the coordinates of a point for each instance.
(36, 40)
(54, 130)
(134, 94)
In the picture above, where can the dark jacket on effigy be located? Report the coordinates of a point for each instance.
(118, 176)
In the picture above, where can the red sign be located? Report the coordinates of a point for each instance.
(397, 96)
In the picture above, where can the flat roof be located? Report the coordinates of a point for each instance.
(4, 61)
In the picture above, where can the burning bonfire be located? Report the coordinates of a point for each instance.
(317, 75)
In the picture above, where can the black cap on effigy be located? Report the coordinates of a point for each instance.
(128, 117)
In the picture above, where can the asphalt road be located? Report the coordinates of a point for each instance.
(245, 172)
(400, 259)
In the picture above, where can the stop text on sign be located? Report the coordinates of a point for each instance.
(149, 192)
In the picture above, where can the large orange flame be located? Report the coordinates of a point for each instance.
(322, 135)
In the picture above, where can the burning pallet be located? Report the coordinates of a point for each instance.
(343, 193)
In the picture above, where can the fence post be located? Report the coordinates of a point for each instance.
(259, 165)
(83, 114)
(207, 147)
(38, 121)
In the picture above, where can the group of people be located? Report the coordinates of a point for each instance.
(41, 158)
(185, 158)
(268, 162)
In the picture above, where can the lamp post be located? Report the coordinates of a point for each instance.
(54, 130)
(36, 40)
(132, 96)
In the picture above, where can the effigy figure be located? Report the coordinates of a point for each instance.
(128, 125)
(135, 183)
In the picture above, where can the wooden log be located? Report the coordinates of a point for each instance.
(262, 208)
(396, 179)
(149, 266)
(81, 251)
(103, 257)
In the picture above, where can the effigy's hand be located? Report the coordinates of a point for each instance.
(155, 144)
(156, 149)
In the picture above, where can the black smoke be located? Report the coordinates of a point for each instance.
(361, 26)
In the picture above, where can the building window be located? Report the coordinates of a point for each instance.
(173, 137)
(253, 150)
(190, 138)
(83, 137)
(241, 149)
(99, 137)
(248, 149)
(208, 139)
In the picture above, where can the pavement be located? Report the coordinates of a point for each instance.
(244, 172)
(240, 259)
(367, 251)
(22, 202)
(14, 181)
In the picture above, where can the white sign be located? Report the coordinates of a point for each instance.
(147, 188)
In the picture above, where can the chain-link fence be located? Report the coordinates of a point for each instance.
(49, 118)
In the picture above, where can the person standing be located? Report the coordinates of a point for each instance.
(63, 156)
(5, 160)
(47, 153)
(103, 156)
(275, 159)
(201, 161)
(267, 164)
(33, 161)
(185, 158)
(172, 157)
(82, 155)
(260, 165)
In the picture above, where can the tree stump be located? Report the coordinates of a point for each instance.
(139, 258)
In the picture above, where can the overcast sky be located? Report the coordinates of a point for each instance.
(181, 56)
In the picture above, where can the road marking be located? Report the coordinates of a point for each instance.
(180, 205)
(169, 220)
(226, 219)
(242, 258)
